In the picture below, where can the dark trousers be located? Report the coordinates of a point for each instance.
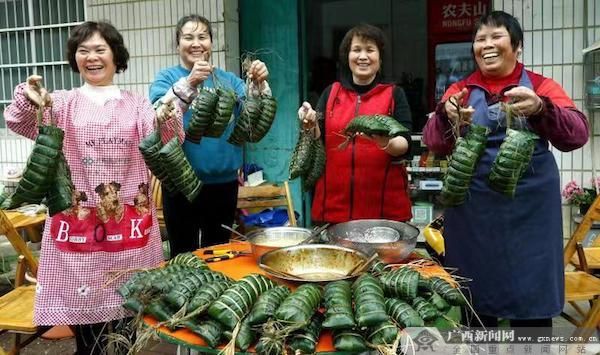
(492, 322)
(92, 339)
(541, 327)
(214, 205)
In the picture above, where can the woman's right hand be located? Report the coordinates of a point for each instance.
(200, 72)
(307, 116)
(36, 93)
(456, 111)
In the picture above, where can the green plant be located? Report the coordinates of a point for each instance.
(580, 196)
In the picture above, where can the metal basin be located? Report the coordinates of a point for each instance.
(267, 239)
(312, 262)
(392, 240)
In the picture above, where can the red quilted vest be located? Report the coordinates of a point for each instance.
(360, 181)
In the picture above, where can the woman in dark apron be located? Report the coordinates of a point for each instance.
(511, 248)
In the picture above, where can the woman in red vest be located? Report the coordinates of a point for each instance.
(365, 179)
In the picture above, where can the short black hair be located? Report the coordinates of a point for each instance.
(191, 18)
(366, 32)
(499, 19)
(111, 35)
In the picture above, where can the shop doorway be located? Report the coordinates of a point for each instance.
(405, 62)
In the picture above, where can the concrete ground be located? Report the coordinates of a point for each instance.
(67, 347)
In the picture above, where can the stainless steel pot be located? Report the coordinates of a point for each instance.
(267, 239)
(312, 262)
(392, 240)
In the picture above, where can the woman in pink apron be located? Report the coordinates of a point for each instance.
(105, 230)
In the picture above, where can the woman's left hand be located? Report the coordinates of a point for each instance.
(381, 141)
(394, 146)
(258, 72)
(525, 102)
(166, 111)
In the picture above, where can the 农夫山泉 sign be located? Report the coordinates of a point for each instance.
(454, 16)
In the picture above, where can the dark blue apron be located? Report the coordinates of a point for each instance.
(510, 247)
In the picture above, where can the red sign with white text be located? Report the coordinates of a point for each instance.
(455, 15)
(86, 232)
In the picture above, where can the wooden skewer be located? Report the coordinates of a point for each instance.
(360, 267)
(235, 232)
(314, 234)
(275, 272)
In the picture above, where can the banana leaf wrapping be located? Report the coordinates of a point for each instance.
(159, 310)
(5, 200)
(61, 192)
(267, 304)
(180, 172)
(375, 125)
(149, 148)
(188, 259)
(260, 127)
(439, 302)
(151, 279)
(300, 162)
(233, 305)
(145, 287)
(424, 285)
(369, 301)
(338, 306)
(425, 309)
(209, 330)
(305, 340)
(403, 313)
(271, 340)
(512, 161)
(40, 170)
(160, 286)
(133, 304)
(246, 336)
(349, 341)
(203, 110)
(129, 287)
(449, 293)
(299, 307)
(466, 154)
(223, 112)
(269, 346)
(206, 294)
(243, 126)
(402, 282)
(181, 293)
(377, 267)
(384, 333)
(317, 165)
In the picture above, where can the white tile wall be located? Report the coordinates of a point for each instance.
(148, 30)
(14, 151)
(554, 37)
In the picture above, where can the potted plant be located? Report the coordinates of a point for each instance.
(582, 197)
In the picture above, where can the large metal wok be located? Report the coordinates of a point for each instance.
(393, 241)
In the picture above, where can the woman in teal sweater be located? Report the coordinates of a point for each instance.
(215, 161)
